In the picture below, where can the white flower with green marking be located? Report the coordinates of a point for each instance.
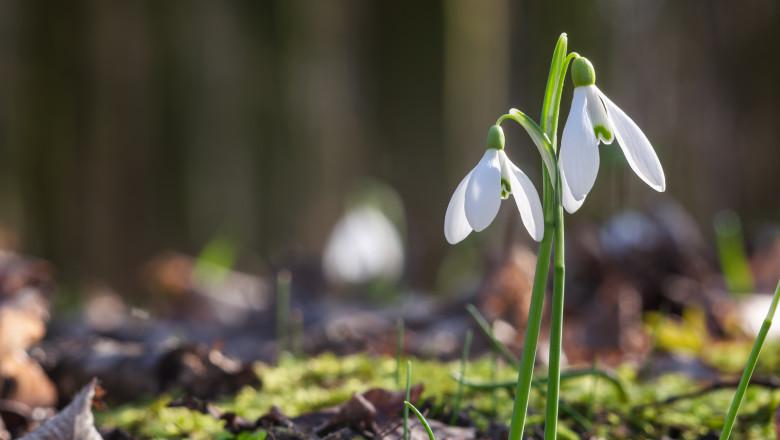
(477, 198)
(593, 118)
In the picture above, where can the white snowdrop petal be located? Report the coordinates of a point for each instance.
(526, 198)
(483, 192)
(579, 157)
(639, 153)
(456, 226)
(598, 116)
(570, 204)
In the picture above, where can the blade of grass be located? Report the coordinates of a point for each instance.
(408, 391)
(566, 375)
(283, 282)
(592, 400)
(493, 375)
(399, 339)
(751, 365)
(422, 419)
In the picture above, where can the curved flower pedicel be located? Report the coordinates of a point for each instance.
(593, 118)
(477, 198)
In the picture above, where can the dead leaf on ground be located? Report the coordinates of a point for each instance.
(74, 422)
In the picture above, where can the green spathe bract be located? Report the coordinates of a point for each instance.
(582, 73)
(495, 138)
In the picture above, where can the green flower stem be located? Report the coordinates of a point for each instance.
(751, 365)
(525, 376)
(556, 330)
(549, 126)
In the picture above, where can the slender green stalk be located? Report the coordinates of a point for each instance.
(422, 419)
(283, 282)
(592, 402)
(297, 332)
(495, 343)
(556, 327)
(399, 340)
(525, 375)
(751, 365)
(408, 392)
(549, 124)
(463, 360)
(493, 374)
(731, 252)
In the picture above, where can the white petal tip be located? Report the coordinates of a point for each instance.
(454, 240)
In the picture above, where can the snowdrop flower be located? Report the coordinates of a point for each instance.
(477, 198)
(593, 118)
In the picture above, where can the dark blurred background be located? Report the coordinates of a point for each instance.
(128, 127)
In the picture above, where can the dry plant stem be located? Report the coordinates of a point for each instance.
(751, 365)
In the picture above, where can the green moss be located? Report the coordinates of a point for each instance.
(298, 386)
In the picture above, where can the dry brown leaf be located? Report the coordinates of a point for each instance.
(74, 422)
(24, 381)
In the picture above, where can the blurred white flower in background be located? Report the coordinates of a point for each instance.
(366, 245)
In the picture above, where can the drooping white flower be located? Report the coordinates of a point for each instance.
(593, 118)
(477, 198)
(364, 246)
